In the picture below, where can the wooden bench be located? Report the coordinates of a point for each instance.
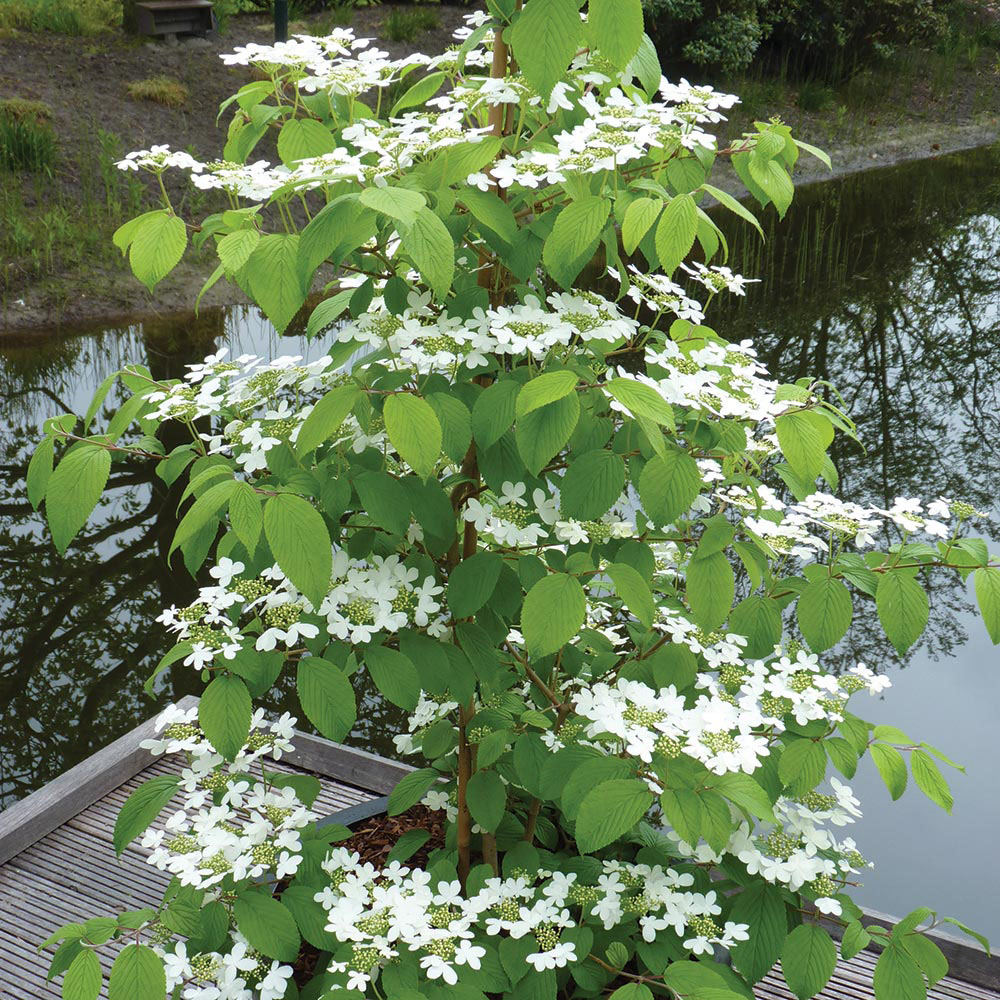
(168, 17)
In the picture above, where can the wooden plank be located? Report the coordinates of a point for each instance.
(356, 767)
(81, 786)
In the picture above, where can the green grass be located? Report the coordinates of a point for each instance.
(27, 142)
(47, 229)
(160, 90)
(62, 17)
(404, 25)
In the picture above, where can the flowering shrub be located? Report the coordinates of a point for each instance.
(584, 541)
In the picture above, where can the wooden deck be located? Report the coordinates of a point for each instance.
(57, 865)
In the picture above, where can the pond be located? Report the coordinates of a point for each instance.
(887, 283)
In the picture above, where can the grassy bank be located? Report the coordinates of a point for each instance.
(60, 132)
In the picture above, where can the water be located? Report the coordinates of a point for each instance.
(887, 283)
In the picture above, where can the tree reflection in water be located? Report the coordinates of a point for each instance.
(78, 635)
(887, 283)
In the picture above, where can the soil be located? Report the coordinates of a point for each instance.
(84, 81)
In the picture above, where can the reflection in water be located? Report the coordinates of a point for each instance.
(78, 634)
(887, 283)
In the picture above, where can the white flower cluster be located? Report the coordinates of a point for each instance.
(233, 826)
(379, 914)
(365, 597)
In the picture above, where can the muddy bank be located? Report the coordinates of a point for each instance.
(88, 92)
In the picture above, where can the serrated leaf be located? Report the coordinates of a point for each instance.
(609, 811)
(824, 613)
(73, 491)
(639, 219)
(83, 977)
(487, 798)
(267, 925)
(554, 611)
(394, 675)
(472, 582)
(414, 431)
(137, 973)
(300, 542)
(930, 780)
(157, 246)
(326, 696)
(903, 609)
(429, 244)
(141, 808)
(763, 909)
(891, 766)
(224, 714)
(574, 237)
(616, 27)
(410, 789)
(808, 959)
(593, 482)
(545, 39)
(274, 278)
(675, 232)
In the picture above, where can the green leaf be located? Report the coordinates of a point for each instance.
(408, 845)
(676, 231)
(987, 581)
(728, 201)
(141, 808)
(414, 431)
(804, 436)
(927, 955)
(545, 38)
(421, 92)
(137, 974)
(224, 714)
(410, 789)
(574, 237)
(802, 766)
(490, 210)
(554, 611)
(772, 178)
(609, 811)
(891, 766)
(897, 976)
(710, 587)
(903, 608)
(384, 499)
(39, 471)
(203, 511)
(398, 203)
(267, 925)
(493, 412)
(326, 417)
(542, 433)
(593, 482)
(156, 248)
(74, 489)
(545, 388)
(246, 515)
(855, 939)
(472, 582)
(487, 797)
(300, 543)
(429, 244)
(394, 675)
(639, 218)
(824, 612)
(630, 991)
(668, 485)
(83, 977)
(302, 139)
(456, 424)
(326, 696)
(634, 591)
(274, 278)
(930, 780)
(616, 28)
(808, 960)
(759, 619)
(641, 400)
(234, 249)
(683, 809)
(762, 907)
(746, 793)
